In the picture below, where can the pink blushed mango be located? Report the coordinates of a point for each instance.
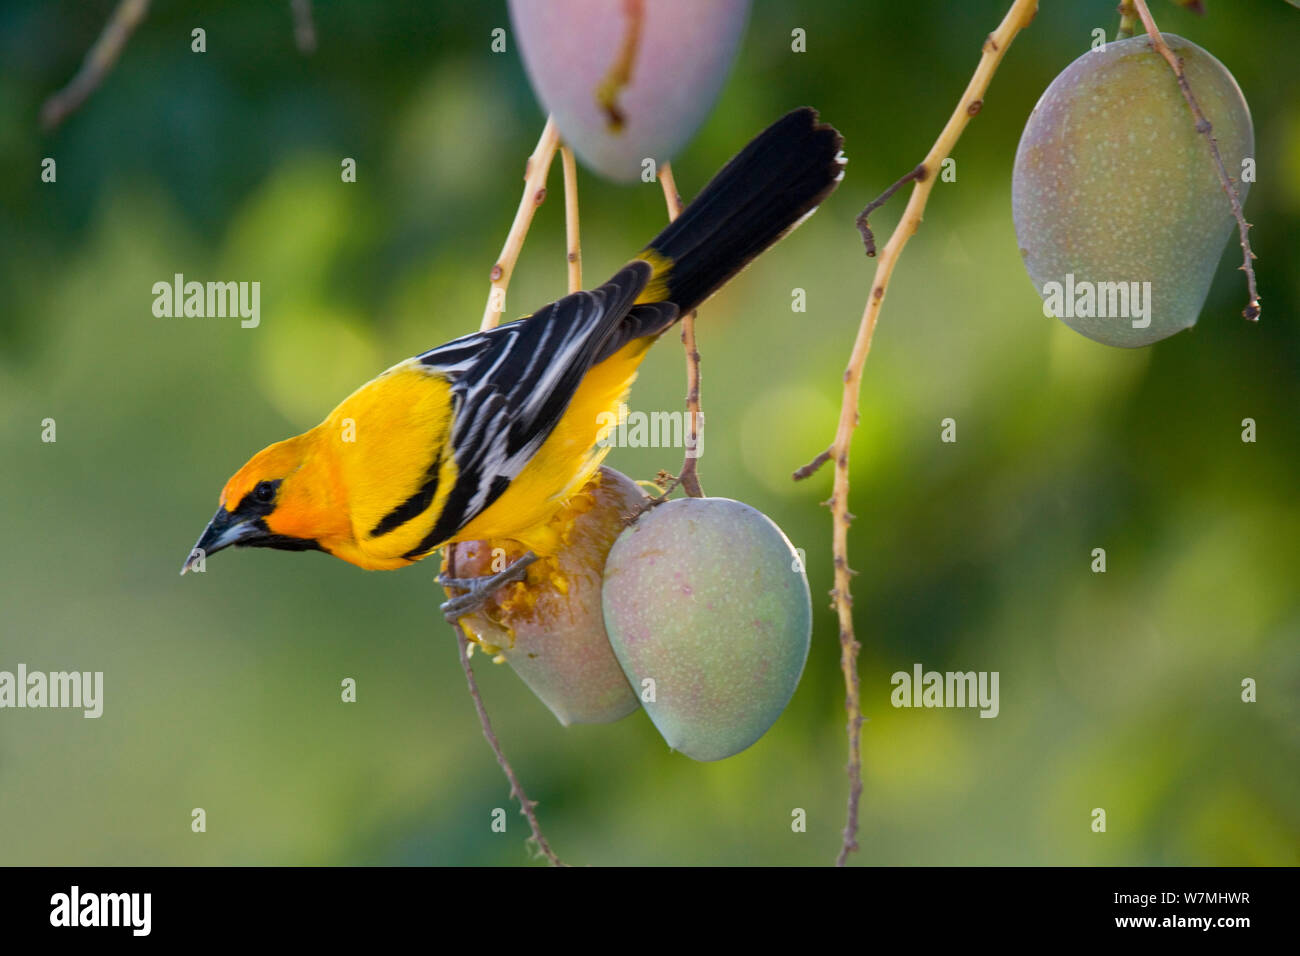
(627, 80)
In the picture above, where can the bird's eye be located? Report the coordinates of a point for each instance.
(264, 492)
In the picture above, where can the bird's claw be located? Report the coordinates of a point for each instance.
(478, 590)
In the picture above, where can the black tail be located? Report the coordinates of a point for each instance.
(763, 193)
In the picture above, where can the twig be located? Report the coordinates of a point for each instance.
(304, 28)
(869, 237)
(995, 47)
(535, 172)
(1128, 20)
(1251, 312)
(99, 61)
(516, 789)
(572, 240)
(689, 477)
(811, 468)
(665, 484)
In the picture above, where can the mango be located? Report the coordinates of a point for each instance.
(1118, 209)
(627, 80)
(550, 627)
(707, 608)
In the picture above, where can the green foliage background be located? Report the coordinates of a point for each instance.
(222, 690)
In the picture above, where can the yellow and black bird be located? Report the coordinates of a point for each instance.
(485, 437)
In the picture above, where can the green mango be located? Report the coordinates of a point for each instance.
(707, 609)
(1118, 208)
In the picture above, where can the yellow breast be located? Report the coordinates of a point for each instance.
(390, 443)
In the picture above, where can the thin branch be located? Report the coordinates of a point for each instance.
(516, 788)
(571, 230)
(99, 61)
(995, 47)
(1203, 126)
(810, 469)
(664, 485)
(868, 237)
(535, 173)
(689, 477)
(304, 27)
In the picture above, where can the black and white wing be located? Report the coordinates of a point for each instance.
(512, 384)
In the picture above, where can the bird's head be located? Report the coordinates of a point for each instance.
(275, 501)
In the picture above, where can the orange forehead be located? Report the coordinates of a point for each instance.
(240, 484)
(275, 461)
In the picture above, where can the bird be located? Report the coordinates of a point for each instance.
(487, 436)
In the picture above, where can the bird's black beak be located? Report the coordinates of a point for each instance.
(222, 531)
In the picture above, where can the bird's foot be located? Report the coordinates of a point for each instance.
(478, 590)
